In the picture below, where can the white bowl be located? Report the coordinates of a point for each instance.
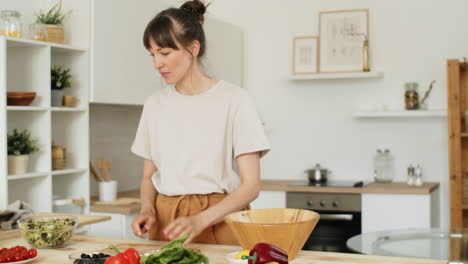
(231, 258)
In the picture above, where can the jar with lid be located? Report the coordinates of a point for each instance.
(411, 96)
(10, 23)
(383, 166)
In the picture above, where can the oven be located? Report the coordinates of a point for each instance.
(340, 218)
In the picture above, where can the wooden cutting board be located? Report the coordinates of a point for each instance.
(118, 202)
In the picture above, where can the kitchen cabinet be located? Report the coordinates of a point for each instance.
(25, 67)
(122, 70)
(118, 227)
(399, 211)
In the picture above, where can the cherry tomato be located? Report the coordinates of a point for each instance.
(2, 259)
(32, 253)
(18, 258)
(9, 258)
(25, 255)
(3, 250)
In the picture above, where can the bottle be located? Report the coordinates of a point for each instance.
(418, 182)
(383, 166)
(365, 56)
(410, 172)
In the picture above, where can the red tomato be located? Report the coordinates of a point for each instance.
(23, 249)
(2, 259)
(18, 258)
(3, 250)
(9, 258)
(25, 255)
(32, 253)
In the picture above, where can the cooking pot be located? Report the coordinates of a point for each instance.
(317, 174)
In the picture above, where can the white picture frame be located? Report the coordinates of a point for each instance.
(342, 33)
(305, 55)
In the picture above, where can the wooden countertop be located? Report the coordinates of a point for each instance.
(82, 221)
(215, 253)
(279, 185)
(375, 188)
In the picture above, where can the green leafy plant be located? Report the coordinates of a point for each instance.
(21, 143)
(60, 77)
(54, 16)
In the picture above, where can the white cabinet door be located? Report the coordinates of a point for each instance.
(224, 51)
(122, 70)
(399, 211)
(118, 227)
(269, 199)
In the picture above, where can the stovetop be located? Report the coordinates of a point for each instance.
(356, 184)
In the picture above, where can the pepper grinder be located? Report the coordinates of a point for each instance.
(418, 182)
(410, 171)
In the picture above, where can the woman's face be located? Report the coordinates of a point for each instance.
(172, 64)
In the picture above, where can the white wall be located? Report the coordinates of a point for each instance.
(112, 130)
(311, 122)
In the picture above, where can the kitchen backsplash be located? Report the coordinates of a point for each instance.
(112, 142)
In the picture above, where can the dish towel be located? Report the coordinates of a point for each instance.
(14, 212)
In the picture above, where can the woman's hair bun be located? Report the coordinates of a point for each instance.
(195, 6)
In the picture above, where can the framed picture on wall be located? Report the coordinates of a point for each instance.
(342, 34)
(305, 55)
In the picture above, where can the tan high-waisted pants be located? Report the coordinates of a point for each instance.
(168, 208)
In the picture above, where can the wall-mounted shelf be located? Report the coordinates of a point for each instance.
(20, 42)
(68, 171)
(400, 113)
(27, 175)
(69, 109)
(343, 75)
(27, 108)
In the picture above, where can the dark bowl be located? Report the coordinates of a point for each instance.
(20, 98)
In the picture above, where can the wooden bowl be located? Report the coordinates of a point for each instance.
(20, 98)
(285, 228)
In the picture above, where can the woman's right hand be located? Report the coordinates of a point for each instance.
(142, 223)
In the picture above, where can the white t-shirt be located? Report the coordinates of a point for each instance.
(194, 140)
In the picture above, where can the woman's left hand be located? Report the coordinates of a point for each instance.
(192, 225)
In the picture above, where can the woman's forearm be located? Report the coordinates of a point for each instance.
(235, 201)
(249, 172)
(147, 191)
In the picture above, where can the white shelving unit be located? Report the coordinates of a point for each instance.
(400, 113)
(331, 76)
(25, 67)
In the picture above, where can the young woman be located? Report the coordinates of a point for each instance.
(192, 134)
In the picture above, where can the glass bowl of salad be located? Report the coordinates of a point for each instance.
(48, 231)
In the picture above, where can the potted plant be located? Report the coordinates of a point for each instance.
(20, 145)
(60, 78)
(53, 20)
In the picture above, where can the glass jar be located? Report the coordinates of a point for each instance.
(383, 166)
(10, 23)
(411, 96)
(38, 32)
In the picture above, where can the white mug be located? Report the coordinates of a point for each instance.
(108, 191)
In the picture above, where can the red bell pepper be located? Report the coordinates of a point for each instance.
(129, 256)
(263, 253)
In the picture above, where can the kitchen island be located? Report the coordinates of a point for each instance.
(215, 253)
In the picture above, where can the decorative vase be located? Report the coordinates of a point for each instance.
(55, 33)
(18, 164)
(57, 97)
(365, 56)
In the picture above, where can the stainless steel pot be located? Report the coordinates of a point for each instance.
(317, 174)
